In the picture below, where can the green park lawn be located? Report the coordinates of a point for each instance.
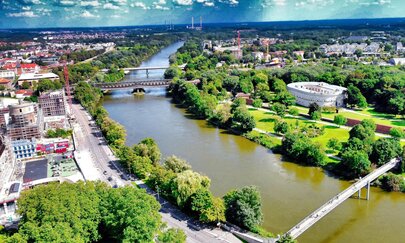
(379, 118)
(265, 121)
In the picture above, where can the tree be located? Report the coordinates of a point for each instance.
(2, 87)
(340, 120)
(303, 150)
(281, 126)
(313, 107)
(260, 78)
(242, 120)
(385, 149)
(215, 213)
(60, 213)
(176, 164)
(243, 207)
(172, 235)
(186, 184)
(148, 148)
(257, 103)
(355, 97)
(261, 90)
(172, 72)
(25, 85)
(356, 162)
(293, 111)
(130, 215)
(246, 85)
(279, 108)
(365, 134)
(47, 84)
(285, 98)
(238, 102)
(231, 83)
(316, 115)
(334, 144)
(397, 132)
(286, 239)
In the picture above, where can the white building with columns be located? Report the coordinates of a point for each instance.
(321, 93)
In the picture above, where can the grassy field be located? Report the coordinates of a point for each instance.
(379, 118)
(265, 121)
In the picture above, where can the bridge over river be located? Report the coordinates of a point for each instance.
(137, 84)
(326, 208)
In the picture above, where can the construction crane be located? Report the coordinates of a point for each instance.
(239, 50)
(67, 88)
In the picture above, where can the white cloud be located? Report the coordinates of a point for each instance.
(209, 4)
(26, 14)
(26, 8)
(139, 5)
(94, 3)
(230, 2)
(87, 14)
(67, 3)
(120, 2)
(158, 7)
(183, 2)
(110, 6)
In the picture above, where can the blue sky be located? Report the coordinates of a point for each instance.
(83, 13)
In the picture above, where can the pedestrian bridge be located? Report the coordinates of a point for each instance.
(326, 208)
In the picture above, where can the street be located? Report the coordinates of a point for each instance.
(94, 157)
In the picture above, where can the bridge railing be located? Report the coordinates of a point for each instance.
(331, 204)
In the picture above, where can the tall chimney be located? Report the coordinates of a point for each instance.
(200, 22)
(192, 22)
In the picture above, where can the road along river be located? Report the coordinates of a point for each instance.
(289, 192)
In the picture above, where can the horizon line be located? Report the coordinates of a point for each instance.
(209, 23)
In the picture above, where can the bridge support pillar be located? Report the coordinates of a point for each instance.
(368, 190)
(147, 73)
(359, 193)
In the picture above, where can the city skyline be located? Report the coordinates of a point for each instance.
(89, 13)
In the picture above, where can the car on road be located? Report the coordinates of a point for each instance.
(105, 172)
(109, 178)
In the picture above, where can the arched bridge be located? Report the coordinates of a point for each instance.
(137, 84)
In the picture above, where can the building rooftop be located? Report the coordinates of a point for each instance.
(32, 76)
(317, 87)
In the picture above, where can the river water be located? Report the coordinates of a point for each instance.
(289, 192)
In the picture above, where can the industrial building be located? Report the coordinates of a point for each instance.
(321, 93)
(52, 103)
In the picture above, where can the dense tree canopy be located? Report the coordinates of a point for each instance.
(243, 207)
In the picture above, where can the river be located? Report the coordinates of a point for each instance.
(289, 191)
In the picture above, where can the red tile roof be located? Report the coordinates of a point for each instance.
(4, 81)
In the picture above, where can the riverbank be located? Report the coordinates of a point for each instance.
(233, 161)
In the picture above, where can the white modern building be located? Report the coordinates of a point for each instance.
(32, 78)
(318, 92)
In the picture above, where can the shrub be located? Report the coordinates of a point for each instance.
(293, 111)
(257, 103)
(397, 132)
(316, 115)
